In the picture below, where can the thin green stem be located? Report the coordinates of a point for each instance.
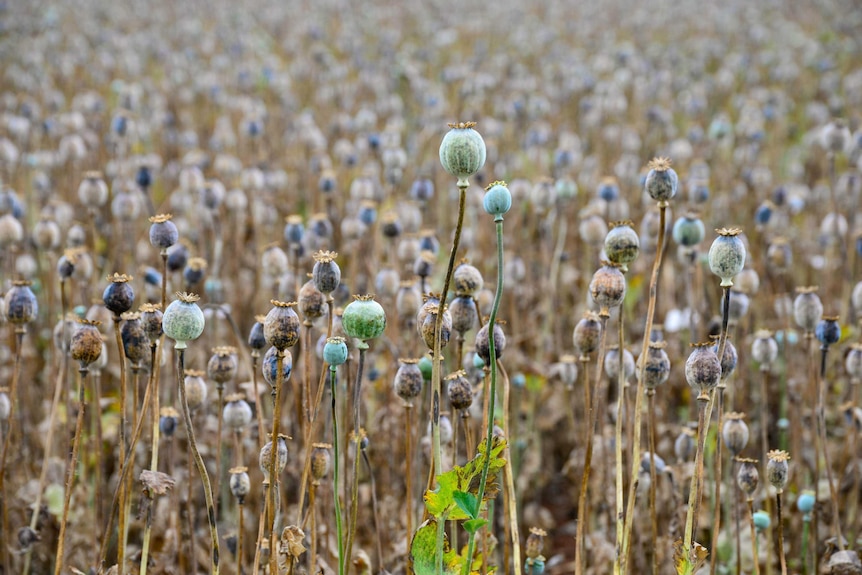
(354, 492)
(339, 530)
(492, 352)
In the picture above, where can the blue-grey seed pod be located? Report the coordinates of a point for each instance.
(853, 361)
(163, 232)
(119, 295)
(222, 365)
(280, 460)
(612, 363)
(269, 366)
(778, 469)
(747, 477)
(728, 360)
(657, 367)
(683, 446)
(662, 181)
(281, 325)
(20, 304)
(764, 349)
(807, 308)
(727, 255)
(734, 432)
(827, 331)
(136, 344)
(702, 369)
(256, 337)
(240, 484)
(464, 314)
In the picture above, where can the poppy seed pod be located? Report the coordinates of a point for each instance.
(168, 419)
(93, 191)
(612, 363)
(827, 331)
(622, 244)
(761, 521)
(661, 181)
(535, 542)
(390, 226)
(683, 445)
(294, 231)
(702, 369)
(119, 295)
(483, 343)
(853, 361)
(136, 344)
(183, 320)
(163, 232)
(11, 231)
(280, 460)
(734, 432)
(427, 329)
(195, 270)
(424, 264)
(335, 351)
(464, 314)
(178, 257)
(386, 282)
(19, 304)
(688, 230)
(320, 461)
(728, 360)
(807, 308)
(5, 404)
(462, 151)
(407, 301)
(326, 274)
(608, 287)
(467, 280)
(237, 412)
(86, 344)
(567, 369)
(312, 303)
(805, 502)
(408, 380)
(270, 366)
(657, 366)
(196, 388)
(845, 562)
(240, 484)
(779, 255)
(777, 469)
(222, 365)
(497, 200)
(587, 333)
(593, 229)
(430, 303)
(459, 390)
(363, 318)
(747, 282)
(747, 477)
(727, 255)
(46, 234)
(281, 325)
(256, 337)
(67, 262)
(764, 349)
(151, 320)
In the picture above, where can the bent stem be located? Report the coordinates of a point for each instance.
(70, 471)
(489, 437)
(437, 358)
(636, 440)
(202, 470)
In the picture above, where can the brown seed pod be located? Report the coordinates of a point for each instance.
(86, 344)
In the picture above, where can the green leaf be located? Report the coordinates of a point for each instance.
(423, 550)
(467, 503)
(473, 525)
(441, 500)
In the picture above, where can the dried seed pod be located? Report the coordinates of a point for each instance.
(119, 295)
(764, 349)
(728, 360)
(535, 543)
(608, 287)
(853, 361)
(281, 325)
(20, 304)
(237, 412)
(281, 457)
(662, 181)
(151, 320)
(483, 343)
(734, 432)
(739, 304)
(93, 191)
(587, 334)
(195, 270)
(568, 370)
(612, 363)
(844, 563)
(168, 419)
(428, 326)
(136, 344)
(727, 255)
(46, 235)
(464, 314)
(386, 282)
(459, 390)
(320, 461)
(424, 264)
(657, 367)
(807, 308)
(269, 365)
(256, 337)
(407, 301)
(196, 388)
(86, 344)
(622, 244)
(702, 369)
(312, 302)
(240, 485)
(163, 232)
(326, 274)
(467, 280)
(777, 469)
(408, 380)
(5, 404)
(747, 477)
(683, 445)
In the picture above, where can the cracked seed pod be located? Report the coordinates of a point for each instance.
(86, 344)
(727, 255)
(702, 369)
(163, 232)
(196, 388)
(240, 484)
(467, 280)
(608, 287)
(464, 314)
(269, 365)
(281, 325)
(662, 181)
(428, 326)
(777, 469)
(462, 151)
(183, 320)
(326, 274)
(312, 302)
(747, 477)
(734, 432)
(281, 457)
(807, 308)
(459, 390)
(483, 344)
(408, 380)
(320, 461)
(237, 412)
(764, 349)
(587, 334)
(657, 369)
(622, 244)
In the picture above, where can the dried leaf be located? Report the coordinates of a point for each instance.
(156, 482)
(291, 541)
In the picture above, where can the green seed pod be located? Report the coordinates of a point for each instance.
(363, 318)
(497, 200)
(622, 244)
(335, 351)
(183, 320)
(281, 325)
(727, 255)
(462, 151)
(86, 344)
(747, 477)
(734, 432)
(777, 469)
(702, 369)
